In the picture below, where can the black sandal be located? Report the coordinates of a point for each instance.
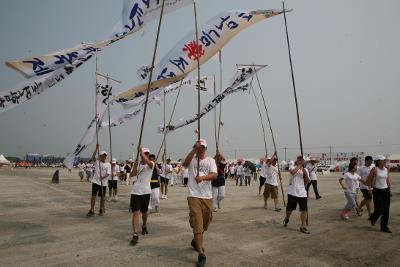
(304, 230)
(135, 239)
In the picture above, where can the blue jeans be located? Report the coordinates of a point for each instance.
(351, 200)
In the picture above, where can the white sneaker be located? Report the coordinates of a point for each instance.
(165, 197)
(215, 209)
(162, 197)
(116, 198)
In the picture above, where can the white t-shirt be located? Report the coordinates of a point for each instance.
(264, 170)
(166, 170)
(296, 183)
(247, 171)
(239, 170)
(381, 178)
(363, 172)
(204, 188)
(105, 170)
(142, 184)
(115, 173)
(232, 169)
(89, 167)
(312, 169)
(185, 172)
(81, 167)
(272, 175)
(351, 181)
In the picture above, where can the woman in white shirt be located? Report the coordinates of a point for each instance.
(351, 180)
(378, 178)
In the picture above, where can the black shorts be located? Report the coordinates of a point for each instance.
(231, 175)
(96, 190)
(185, 180)
(113, 184)
(365, 194)
(140, 203)
(164, 180)
(293, 201)
(262, 180)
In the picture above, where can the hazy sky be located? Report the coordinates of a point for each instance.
(345, 54)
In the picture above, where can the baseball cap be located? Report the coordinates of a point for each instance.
(145, 150)
(114, 160)
(103, 153)
(203, 142)
(380, 157)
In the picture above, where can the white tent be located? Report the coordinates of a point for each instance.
(3, 160)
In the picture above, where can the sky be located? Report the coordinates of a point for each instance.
(345, 59)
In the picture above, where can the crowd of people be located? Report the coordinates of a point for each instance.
(205, 179)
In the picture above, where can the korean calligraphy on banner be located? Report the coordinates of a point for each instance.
(26, 91)
(213, 36)
(240, 83)
(135, 13)
(105, 87)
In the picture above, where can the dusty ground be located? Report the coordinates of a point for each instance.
(45, 225)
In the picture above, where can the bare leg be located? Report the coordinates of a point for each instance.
(303, 217)
(276, 202)
(135, 222)
(102, 205)
(92, 203)
(198, 238)
(166, 188)
(144, 218)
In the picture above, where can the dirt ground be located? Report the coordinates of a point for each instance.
(42, 224)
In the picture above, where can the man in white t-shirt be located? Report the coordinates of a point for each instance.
(200, 194)
(81, 167)
(141, 191)
(297, 193)
(166, 172)
(312, 166)
(364, 172)
(271, 183)
(263, 172)
(113, 181)
(89, 168)
(239, 170)
(99, 181)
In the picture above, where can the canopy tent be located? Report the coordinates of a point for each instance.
(3, 160)
(394, 158)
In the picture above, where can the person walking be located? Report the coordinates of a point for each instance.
(113, 181)
(364, 171)
(155, 186)
(312, 166)
(271, 183)
(99, 181)
(218, 185)
(141, 190)
(200, 194)
(379, 180)
(297, 194)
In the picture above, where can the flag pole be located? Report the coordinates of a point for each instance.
(220, 89)
(198, 82)
(109, 127)
(294, 84)
(97, 128)
(261, 119)
(150, 77)
(215, 121)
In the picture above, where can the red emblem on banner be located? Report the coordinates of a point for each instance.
(192, 50)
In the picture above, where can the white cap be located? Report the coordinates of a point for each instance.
(291, 162)
(203, 142)
(114, 160)
(307, 159)
(380, 157)
(145, 150)
(268, 158)
(103, 153)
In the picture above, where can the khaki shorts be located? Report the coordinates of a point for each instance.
(270, 190)
(200, 214)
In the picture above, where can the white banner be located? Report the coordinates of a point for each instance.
(26, 91)
(213, 36)
(240, 83)
(104, 86)
(135, 14)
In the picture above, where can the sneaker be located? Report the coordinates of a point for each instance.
(135, 239)
(278, 209)
(304, 230)
(101, 212)
(319, 197)
(386, 230)
(144, 230)
(165, 197)
(90, 213)
(285, 222)
(359, 212)
(215, 209)
(201, 260)
(116, 198)
(193, 244)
